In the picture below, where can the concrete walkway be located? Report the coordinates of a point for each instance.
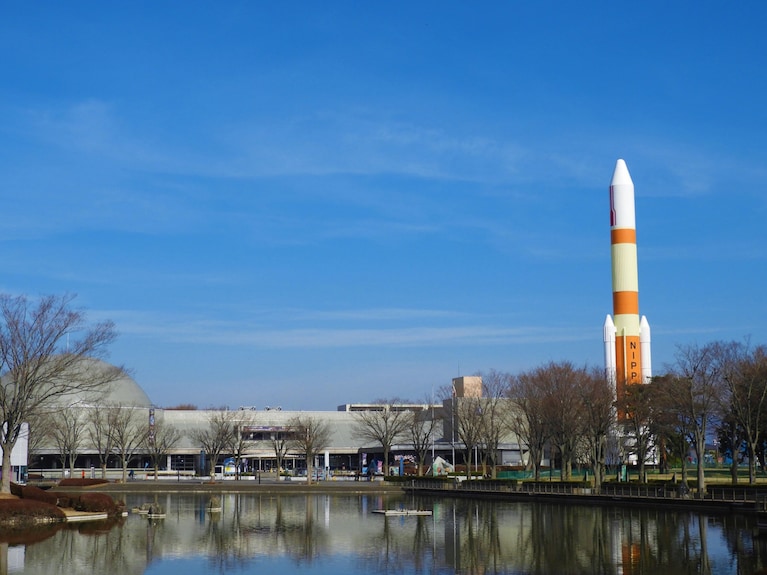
(231, 486)
(73, 516)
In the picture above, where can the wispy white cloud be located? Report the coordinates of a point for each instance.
(693, 169)
(413, 333)
(173, 181)
(349, 142)
(88, 125)
(388, 314)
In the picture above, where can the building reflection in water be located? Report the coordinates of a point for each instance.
(462, 536)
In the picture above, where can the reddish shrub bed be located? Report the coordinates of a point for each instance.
(32, 493)
(90, 502)
(28, 511)
(64, 499)
(74, 482)
(95, 502)
(19, 518)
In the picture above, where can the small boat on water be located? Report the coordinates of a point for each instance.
(403, 512)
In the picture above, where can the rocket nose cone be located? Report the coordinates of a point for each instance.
(621, 174)
(644, 328)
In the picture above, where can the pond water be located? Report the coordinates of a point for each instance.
(339, 534)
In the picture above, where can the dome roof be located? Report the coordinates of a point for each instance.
(121, 388)
(126, 392)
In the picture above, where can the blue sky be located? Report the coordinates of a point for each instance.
(309, 204)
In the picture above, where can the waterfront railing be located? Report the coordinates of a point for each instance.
(752, 497)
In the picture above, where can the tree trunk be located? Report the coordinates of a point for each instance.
(534, 458)
(599, 474)
(663, 456)
(7, 472)
(700, 443)
(598, 462)
(279, 466)
(641, 456)
(467, 459)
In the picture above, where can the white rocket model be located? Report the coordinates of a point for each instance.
(626, 337)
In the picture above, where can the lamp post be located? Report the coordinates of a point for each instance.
(452, 422)
(432, 428)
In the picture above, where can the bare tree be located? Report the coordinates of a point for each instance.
(596, 395)
(421, 425)
(159, 443)
(744, 374)
(527, 417)
(731, 437)
(281, 442)
(128, 429)
(310, 436)
(384, 425)
(495, 423)
(44, 345)
(216, 437)
(37, 440)
(468, 426)
(637, 407)
(99, 435)
(239, 442)
(701, 370)
(671, 425)
(66, 430)
(563, 409)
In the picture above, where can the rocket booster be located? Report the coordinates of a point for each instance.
(626, 337)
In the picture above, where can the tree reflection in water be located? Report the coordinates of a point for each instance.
(463, 536)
